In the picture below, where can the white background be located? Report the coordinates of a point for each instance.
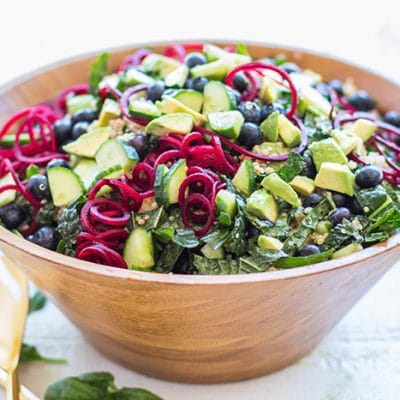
(360, 360)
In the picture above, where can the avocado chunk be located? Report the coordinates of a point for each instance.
(7, 196)
(81, 102)
(213, 53)
(303, 185)
(290, 133)
(211, 253)
(144, 109)
(335, 177)
(177, 77)
(327, 150)
(244, 179)
(158, 64)
(279, 188)
(364, 129)
(226, 206)
(178, 123)
(190, 98)
(109, 111)
(215, 70)
(346, 251)
(269, 90)
(323, 227)
(269, 243)
(348, 141)
(313, 101)
(170, 105)
(270, 127)
(135, 77)
(271, 148)
(226, 123)
(263, 205)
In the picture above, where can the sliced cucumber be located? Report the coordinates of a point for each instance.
(269, 243)
(244, 179)
(114, 172)
(347, 250)
(215, 70)
(139, 249)
(115, 151)
(226, 204)
(211, 253)
(134, 77)
(7, 196)
(161, 171)
(213, 53)
(177, 77)
(170, 105)
(144, 109)
(109, 111)
(168, 192)
(87, 144)
(157, 64)
(65, 185)
(87, 169)
(217, 97)
(8, 141)
(178, 123)
(270, 127)
(227, 123)
(189, 98)
(81, 102)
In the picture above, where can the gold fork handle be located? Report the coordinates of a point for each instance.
(24, 394)
(12, 390)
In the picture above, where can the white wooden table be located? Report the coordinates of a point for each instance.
(360, 359)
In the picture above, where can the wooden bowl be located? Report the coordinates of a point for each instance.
(200, 328)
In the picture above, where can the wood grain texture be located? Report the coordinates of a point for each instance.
(197, 328)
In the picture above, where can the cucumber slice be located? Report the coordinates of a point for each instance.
(115, 151)
(65, 185)
(190, 98)
(217, 97)
(169, 105)
(8, 141)
(215, 70)
(346, 251)
(87, 170)
(109, 111)
(177, 123)
(139, 249)
(270, 127)
(177, 77)
(87, 144)
(134, 77)
(213, 53)
(226, 204)
(227, 123)
(211, 253)
(81, 102)
(7, 196)
(161, 171)
(144, 109)
(244, 179)
(159, 65)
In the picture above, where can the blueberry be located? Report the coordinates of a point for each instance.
(268, 109)
(362, 101)
(369, 176)
(308, 250)
(193, 59)
(12, 215)
(182, 265)
(252, 231)
(57, 162)
(251, 111)
(339, 215)
(155, 91)
(85, 115)
(62, 129)
(290, 67)
(312, 200)
(354, 206)
(309, 171)
(240, 82)
(141, 144)
(79, 129)
(393, 118)
(46, 237)
(250, 135)
(236, 95)
(339, 199)
(337, 86)
(38, 185)
(198, 83)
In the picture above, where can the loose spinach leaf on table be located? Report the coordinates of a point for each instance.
(98, 71)
(37, 302)
(30, 353)
(293, 166)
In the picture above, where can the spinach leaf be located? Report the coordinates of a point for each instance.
(376, 237)
(164, 235)
(216, 237)
(242, 49)
(292, 262)
(341, 235)
(236, 240)
(318, 127)
(388, 215)
(30, 353)
(98, 71)
(168, 257)
(294, 165)
(31, 170)
(371, 199)
(185, 237)
(37, 302)
(152, 219)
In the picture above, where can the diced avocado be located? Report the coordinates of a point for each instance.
(116, 152)
(177, 77)
(323, 227)
(144, 109)
(335, 177)
(87, 144)
(109, 111)
(303, 185)
(269, 243)
(227, 123)
(158, 64)
(305, 78)
(270, 127)
(244, 179)
(226, 204)
(327, 150)
(134, 77)
(213, 53)
(161, 171)
(139, 249)
(271, 148)
(169, 105)
(81, 102)
(269, 90)
(112, 80)
(346, 251)
(7, 196)
(347, 140)
(312, 100)
(263, 205)
(215, 70)
(289, 132)
(65, 186)
(364, 129)
(211, 253)
(190, 98)
(217, 97)
(87, 169)
(279, 188)
(178, 123)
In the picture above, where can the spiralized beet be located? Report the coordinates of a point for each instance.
(168, 156)
(142, 177)
(124, 103)
(100, 254)
(170, 142)
(134, 60)
(176, 51)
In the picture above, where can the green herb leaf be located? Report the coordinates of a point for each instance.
(294, 165)
(186, 238)
(37, 302)
(98, 71)
(32, 170)
(242, 49)
(292, 262)
(30, 353)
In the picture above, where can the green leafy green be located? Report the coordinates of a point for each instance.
(46, 214)
(292, 262)
(388, 215)
(242, 49)
(341, 235)
(168, 257)
(30, 353)
(293, 166)
(185, 237)
(164, 234)
(371, 199)
(98, 71)
(37, 302)
(318, 127)
(375, 237)
(153, 218)
(32, 170)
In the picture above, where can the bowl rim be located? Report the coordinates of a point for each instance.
(9, 238)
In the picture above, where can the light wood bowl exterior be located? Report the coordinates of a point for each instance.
(200, 328)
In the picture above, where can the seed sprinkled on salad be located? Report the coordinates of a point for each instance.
(202, 160)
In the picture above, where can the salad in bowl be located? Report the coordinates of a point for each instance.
(202, 160)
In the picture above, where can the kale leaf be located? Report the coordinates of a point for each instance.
(168, 257)
(317, 127)
(341, 235)
(98, 71)
(371, 199)
(46, 214)
(293, 166)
